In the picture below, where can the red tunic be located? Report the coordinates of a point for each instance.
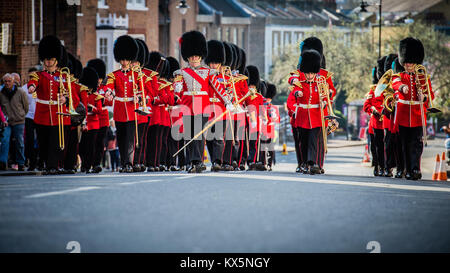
(93, 117)
(408, 106)
(377, 103)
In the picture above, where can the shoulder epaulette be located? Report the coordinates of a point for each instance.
(295, 72)
(329, 74)
(164, 84)
(34, 76)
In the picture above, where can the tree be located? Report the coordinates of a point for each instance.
(350, 55)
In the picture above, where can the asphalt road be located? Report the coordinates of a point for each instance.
(344, 210)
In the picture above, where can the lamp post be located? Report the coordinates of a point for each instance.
(363, 7)
(182, 7)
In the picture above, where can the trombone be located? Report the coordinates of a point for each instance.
(144, 110)
(421, 75)
(422, 83)
(323, 91)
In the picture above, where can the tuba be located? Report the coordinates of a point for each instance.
(385, 83)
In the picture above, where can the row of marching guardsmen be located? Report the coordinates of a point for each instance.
(164, 115)
(398, 102)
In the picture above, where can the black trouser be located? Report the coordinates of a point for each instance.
(126, 132)
(215, 141)
(254, 155)
(152, 144)
(389, 150)
(70, 158)
(373, 150)
(139, 153)
(100, 146)
(398, 152)
(412, 146)
(49, 148)
(31, 152)
(379, 146)
(175, 142)
(239, 150)
(313, 151)
(298, 145)
(192, 126)
(88, 149)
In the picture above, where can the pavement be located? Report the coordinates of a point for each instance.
(344, 210)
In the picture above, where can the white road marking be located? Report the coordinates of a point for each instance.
(45, 194)
(334, 182)
(139, 182)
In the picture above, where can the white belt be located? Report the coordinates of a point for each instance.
(306, 106)
(193, 93)
(126, 99)
(48, 102)
(409, 102)
(214, 100)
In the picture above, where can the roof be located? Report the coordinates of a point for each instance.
(404, 5)
(229, 8)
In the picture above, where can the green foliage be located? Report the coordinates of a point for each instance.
(350, 55)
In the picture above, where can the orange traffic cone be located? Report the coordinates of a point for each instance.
(437, 167)
(366, 157)
(284, 152)
(442, 176)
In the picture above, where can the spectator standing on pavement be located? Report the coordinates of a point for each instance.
(31, 150)
(14, 103)
(112, 147)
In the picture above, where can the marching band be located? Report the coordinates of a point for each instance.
(166, 115)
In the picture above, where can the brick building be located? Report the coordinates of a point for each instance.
(88, 28)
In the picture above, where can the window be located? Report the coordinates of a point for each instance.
(227, 34)
(102, 4)
(235, 31)
(136, 5)
(103, 49)
(219, 33)
(36, 20)
(242, 41)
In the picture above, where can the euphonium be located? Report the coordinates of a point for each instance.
(384, 84)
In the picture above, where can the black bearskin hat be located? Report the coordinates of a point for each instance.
(236, 57)
(312, 43)
(411, 51)
(271, 91)
(193, 43)
(89, 78)
(397, 67)
(243, 60)
(380, 66)
(388, 62)
(374, 75)
(65, 61)
(310, 61)
(228, 54)
(155, 59)
(164, 69)
(252, 73)
(216, 52)
(142, 55)
(263, 88)
(125, 48)
(76, 67)
(99, 66)
(174, 65)
(50, 47)
(323, 64)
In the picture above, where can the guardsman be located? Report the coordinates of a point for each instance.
(292, 106)
(240, 152)
(370, 131)
(309, 116)
(100, 67)
(374, 106)
(253, 103)
(193, 89)
(175, 140)
(219, 133)
(121, 88)
(273, 117)
(413, 93)
(50, 127)
(90, 127)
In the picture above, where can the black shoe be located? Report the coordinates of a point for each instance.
(202, 166)
(61, 171)
(96, 169)
(69, 171)
(156, 169)
(216, 167)
(227, 168)
(174, 168)
(387, 173)
(416, 174)
(376, 171)
(52, 171)
(136, 168)
(299, 169)
(399, 174)
(380, 172)
(83, 169)
(162, 168)
(21, 168)
(128, 169)
(143, 168)
(269, 168)
(261, 166)
(408, 176)
(234, 164)
(192, 168)
(31, 168)
(242, 167)
(314, 169)
(322, 171)
(3, 166)
(304, 168)
(150, 169)
(251, 167)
